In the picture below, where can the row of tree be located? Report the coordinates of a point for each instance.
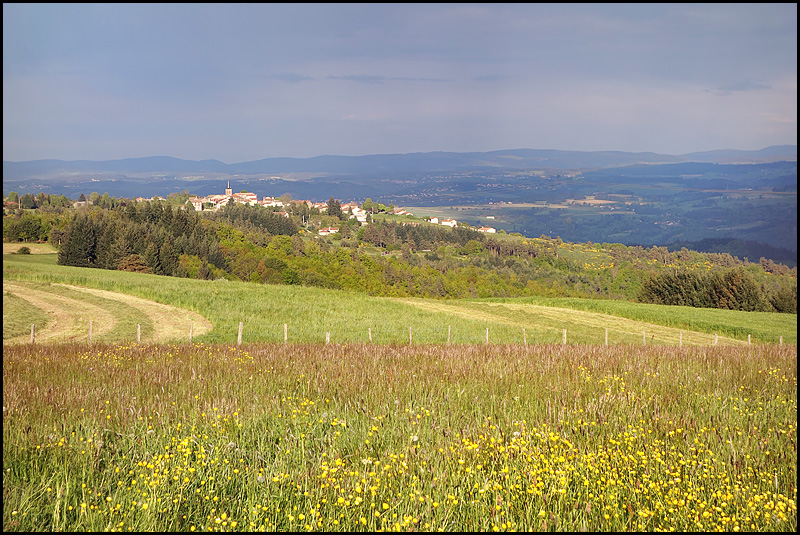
(732, 289)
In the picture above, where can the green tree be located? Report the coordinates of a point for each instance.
(168, 259)
(28, 201)
(335, 208)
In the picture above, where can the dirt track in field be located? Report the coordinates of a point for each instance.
(69, 317)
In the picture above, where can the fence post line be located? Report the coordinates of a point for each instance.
(285, 333)
(239, 338)
(369, 332)
(448, 334)
(139, 334)
(606, 335)
(33, 329)
(524, 337)
(565, 337)
(90, 332)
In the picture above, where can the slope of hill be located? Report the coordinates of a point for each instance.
(302, 314)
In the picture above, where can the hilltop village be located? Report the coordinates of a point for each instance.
(354, 211)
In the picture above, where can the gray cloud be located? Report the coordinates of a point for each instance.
(375, 79)
(744, 85)
(290, 77)
(493, 78)
(240, 82)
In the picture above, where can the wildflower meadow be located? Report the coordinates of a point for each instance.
(349, 437)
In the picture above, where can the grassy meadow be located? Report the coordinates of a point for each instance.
(349, 437)
(670, 432)
(316, 315)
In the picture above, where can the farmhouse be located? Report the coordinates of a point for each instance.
(488, 230)
(327, 231)
(449, 222)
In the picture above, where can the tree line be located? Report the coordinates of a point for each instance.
(732, 289)
(251, 243)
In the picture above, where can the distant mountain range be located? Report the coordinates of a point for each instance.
(517, 159)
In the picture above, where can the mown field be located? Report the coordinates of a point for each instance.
(273, 313)
(349, 437)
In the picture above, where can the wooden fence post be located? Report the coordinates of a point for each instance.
(780, 342)
(524, 337)
(606, 336)
(565, 337)
(715, 338)
(448, 334)
(139, 334)
(33, 328)
(409, 335)
(487, 335)
(327, 337)
(285, 333)
(748, 339)
(369, 332)
(239, 338)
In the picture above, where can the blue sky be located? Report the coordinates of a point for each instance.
(249, 81)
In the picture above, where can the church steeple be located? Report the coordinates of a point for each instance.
(228, 190)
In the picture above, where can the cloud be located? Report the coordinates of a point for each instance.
(290, 77)
(493, 78)
(375, 79)
(744, 85)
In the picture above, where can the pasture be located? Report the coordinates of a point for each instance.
(407, 433)
(270, 313)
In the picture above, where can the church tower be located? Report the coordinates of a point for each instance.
(228, 190)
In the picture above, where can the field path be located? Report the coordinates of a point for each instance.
(69, 316)
(554, 320)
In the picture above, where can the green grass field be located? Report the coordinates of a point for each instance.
(518, 434)
(316, 315)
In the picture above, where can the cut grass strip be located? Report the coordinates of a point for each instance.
(114, 316)
(19, 315)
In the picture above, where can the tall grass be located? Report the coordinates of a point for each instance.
(345, 437)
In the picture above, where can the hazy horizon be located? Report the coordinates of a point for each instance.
(244, 82)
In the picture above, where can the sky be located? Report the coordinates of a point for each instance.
(242, 82)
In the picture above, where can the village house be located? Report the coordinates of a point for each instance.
(489, 230)
(434, 220)
(359, 214)
(449, 222)
(327, 231)
(217, 201)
